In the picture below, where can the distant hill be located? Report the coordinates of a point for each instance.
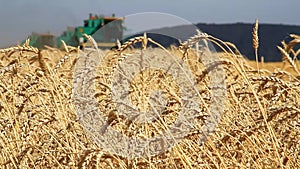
(270, 35)
(241, 35)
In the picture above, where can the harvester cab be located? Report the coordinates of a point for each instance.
(104, 30)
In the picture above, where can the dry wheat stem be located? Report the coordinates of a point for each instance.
(255, 42)
(286, 57)
(39, 126)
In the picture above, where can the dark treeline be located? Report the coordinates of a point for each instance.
(270, 36)
(241, 35)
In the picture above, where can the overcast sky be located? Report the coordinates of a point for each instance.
(21, 17)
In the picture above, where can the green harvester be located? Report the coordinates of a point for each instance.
(105, 30)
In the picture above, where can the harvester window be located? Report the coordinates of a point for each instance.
(86, 23)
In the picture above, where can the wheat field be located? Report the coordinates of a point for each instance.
(40, 128)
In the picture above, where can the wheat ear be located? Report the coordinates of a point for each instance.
(255, 42)
(286, 56)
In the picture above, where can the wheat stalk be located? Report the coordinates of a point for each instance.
(255, 42)
(20, 48)
(286, 57)
(39, 126)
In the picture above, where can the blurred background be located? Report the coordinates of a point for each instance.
(230, 20)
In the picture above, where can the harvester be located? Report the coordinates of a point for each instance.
(105, 30)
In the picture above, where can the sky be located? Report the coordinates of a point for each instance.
(19, 18)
